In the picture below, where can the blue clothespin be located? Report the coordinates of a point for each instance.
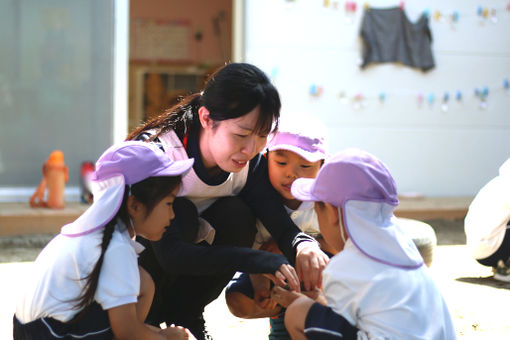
(485, 92)
(430, 98)
(446, 97)
(455, 16)
(382, 97)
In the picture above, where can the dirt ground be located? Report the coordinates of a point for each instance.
(477, 302)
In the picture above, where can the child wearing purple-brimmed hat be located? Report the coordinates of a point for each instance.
(86, 282)
(296, 150)
(376, 287)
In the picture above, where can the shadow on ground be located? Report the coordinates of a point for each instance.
(486, 281)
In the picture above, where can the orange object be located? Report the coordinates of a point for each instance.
(55, 176)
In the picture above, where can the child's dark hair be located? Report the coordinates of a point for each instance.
(148, 192)
(231, 92)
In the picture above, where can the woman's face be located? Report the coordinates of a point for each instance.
(231, 143)
(153, 225)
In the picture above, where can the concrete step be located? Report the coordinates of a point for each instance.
(21, 219)
(427, 208)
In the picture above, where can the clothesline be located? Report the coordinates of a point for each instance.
(359, 98)
(480, 12)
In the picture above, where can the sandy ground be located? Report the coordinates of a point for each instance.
(477, 302)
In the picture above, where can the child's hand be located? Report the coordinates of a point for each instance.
(310, 262)
(316, 295)
(283, 296)
(177, 333)
(262, 291)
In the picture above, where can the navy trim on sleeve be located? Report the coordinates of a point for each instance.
(322, 323)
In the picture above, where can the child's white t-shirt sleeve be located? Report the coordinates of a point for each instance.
(119, 281)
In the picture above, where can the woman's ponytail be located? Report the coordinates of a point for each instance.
(179, 118)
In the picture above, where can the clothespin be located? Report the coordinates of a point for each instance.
(430, 99)
(382, 97)
(420, 99)
(437, 16)
(455, 16)
(444, 104)
(486, 13)
(401, 5)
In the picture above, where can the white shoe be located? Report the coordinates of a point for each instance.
(502, 271)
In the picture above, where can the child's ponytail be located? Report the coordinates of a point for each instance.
(84, 301)
(93, 278)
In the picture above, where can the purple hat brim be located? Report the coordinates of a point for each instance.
(175, 169)
(302, 189)
(309, 156)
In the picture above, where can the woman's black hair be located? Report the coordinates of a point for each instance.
(231, 92)
(148, 192)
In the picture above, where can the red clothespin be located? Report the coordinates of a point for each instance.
(350, 6)
(402, 4)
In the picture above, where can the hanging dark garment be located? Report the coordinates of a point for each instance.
(389, 36)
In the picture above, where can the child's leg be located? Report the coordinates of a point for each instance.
(295, 317)
(308, 319)
(147, 289)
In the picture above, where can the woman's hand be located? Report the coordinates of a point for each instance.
(285, 275)
(310, 262)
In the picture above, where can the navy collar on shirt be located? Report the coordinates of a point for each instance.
(193, 150)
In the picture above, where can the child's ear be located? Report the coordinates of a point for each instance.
(333, 213)
(205, 117)
(133, 206)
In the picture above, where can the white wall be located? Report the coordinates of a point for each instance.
(431, 152)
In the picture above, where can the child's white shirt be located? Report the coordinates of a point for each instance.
(304, 217)
(55, 283)
(385, 302)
